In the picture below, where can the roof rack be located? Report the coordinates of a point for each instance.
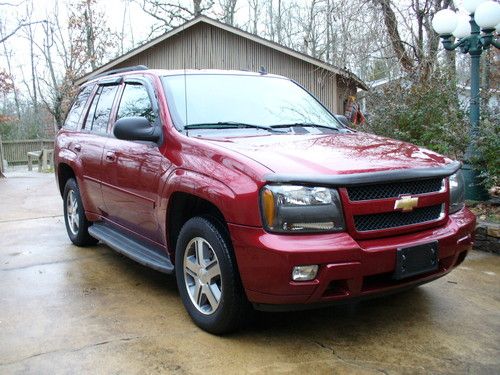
(121, 70)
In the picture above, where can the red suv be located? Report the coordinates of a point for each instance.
(253, 193)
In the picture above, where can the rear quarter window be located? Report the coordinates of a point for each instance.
(75, 113)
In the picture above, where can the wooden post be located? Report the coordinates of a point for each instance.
(44, 159)
(1, 158)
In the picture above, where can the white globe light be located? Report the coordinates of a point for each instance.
(463, 27)
(487, 15)
(470, 5)
(444, 22)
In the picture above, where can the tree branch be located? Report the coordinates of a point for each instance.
(21, 25)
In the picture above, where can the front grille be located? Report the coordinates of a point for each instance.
(396, 219)
(394, 190)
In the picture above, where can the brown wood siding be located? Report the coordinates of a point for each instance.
(207, 47)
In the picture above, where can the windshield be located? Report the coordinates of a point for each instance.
(257, 100)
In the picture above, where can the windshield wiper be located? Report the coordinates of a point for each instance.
(228, 125)
(305, 124)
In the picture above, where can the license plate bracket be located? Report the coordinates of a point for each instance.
(416, 260)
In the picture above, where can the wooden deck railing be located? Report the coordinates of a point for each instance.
(16, 152)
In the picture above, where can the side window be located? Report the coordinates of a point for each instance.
(136, 102)
(75, 113)
(98, 117)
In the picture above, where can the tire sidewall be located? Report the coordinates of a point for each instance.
(202, 227)
(80, 237)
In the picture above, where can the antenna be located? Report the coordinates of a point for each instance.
(185, 76)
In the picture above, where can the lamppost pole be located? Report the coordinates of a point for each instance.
(484, 15)
(475, 96)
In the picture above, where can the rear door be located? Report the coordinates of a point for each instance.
(90, 145)
(131, 169)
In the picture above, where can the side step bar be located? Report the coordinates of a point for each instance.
(133, 249)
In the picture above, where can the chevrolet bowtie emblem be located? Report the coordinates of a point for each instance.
(406, 204)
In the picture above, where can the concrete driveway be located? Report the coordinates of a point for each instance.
(65, 309)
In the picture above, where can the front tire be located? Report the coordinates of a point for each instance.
(208, 278)
(77, 224)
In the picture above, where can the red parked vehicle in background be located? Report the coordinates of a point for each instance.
(253, 193)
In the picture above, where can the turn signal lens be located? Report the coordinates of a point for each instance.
(268, 206)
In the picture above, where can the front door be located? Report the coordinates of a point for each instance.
(131, 169)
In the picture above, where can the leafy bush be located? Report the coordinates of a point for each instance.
(488, 147)
(424, 113)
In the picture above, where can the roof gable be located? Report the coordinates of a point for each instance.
(230, 29)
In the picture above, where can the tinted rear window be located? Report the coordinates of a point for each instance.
(75, 113)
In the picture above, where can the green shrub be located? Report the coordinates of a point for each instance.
(426, 113)
(488, 149)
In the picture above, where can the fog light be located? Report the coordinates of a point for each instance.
(304, 273)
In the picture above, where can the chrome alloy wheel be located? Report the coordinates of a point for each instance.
(72, 214)
(202, 275)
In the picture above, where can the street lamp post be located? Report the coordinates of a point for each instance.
(485, 17)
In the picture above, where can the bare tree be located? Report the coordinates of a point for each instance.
(8, 73)
(169, 14)
(418, 54)
(68, 50)
(93, 35)
(228, 8)
(254, 11)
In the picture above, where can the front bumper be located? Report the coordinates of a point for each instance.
(348, 269)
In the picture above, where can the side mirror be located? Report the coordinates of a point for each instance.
(343, 120)
(136, 129)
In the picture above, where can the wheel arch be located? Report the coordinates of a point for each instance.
(184, 206)
(189, 194)
(64, 173)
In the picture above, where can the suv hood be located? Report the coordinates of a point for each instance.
(340, 153)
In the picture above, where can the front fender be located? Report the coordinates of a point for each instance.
(237, 208)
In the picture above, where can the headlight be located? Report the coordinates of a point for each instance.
(457, 192)
(290, 208)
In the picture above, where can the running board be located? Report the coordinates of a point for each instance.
(133, 249)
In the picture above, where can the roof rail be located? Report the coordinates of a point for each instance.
(120, 70)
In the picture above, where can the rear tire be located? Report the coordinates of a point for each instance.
(77, 224)
(207, 277)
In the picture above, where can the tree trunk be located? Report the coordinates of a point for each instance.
(391, 24)
(89, 33)
(33, 73)
(196, 8)
(485, 80)
(279, 24)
